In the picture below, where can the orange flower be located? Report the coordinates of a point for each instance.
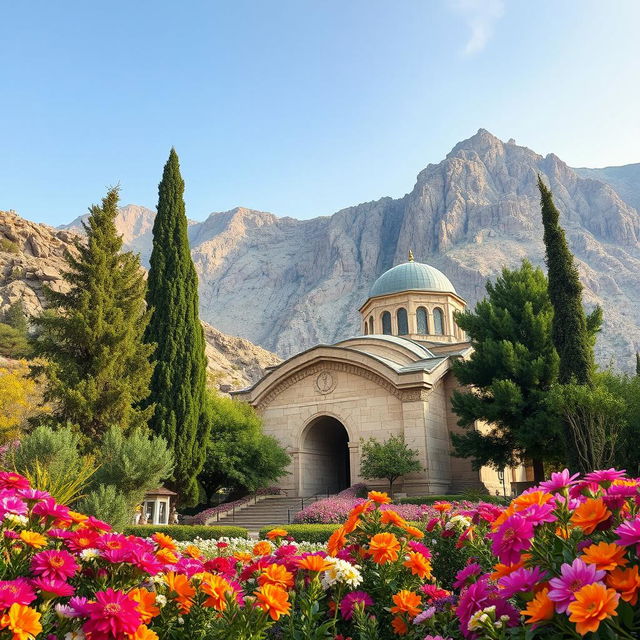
(184, 590)
(351, 524)
(33, 539)
(501, 570)
(146, 601)
(144, 633)
(593, 603)
(384, 547)
(277, 533)
(164, 541)
(379, 497)
(389, 516)
(399, 626)
(626, 582)
(419, 565)
(77, 517)
(192, 551)
(406, 602)
(166, 556)
(262, 548)
(277, 575)
(442, 506)
(216, 588)
(540, 608)
(359, 509)
(336, 541)
(605, 555)
(23, 621)
(590, 514)
(414, 532)
(243, 557)
(274, 600)
(527, 499)
(313, 563)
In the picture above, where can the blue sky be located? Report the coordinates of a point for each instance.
(300, 107)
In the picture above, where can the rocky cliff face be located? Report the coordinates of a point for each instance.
(625, 180)
(32, 255)
(288, 284)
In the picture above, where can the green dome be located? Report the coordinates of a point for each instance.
(409, 276)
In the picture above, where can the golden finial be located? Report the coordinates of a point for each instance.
(410, 255)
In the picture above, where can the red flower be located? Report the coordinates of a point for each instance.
(112, 615)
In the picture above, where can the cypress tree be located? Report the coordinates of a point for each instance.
(179, 378)
(572, 331)
(96, 365)
(638, 363)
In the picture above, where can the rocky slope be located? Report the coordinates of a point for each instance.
(32, 255)
(625, 180)
(287, 284)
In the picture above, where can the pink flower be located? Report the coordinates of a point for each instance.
(146, 562)
(430, 637)
(79, 607)
(513, 537)
(466, 575)
(15, 592)
(97, 525)
(112, 615)
(190, 566)
(54, 563)
(425, 615)
(33, 495)
(539, 513)
(433, 592)
(629, 533)
(53, 587)
(13, 480)
(10, 503)
(418, 547)
(347, 603)
(605, 475)
(559, 481)
(49, 508)
(573, 577)
(521, 580)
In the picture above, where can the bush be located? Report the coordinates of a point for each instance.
(185, 532)
(304, 532)
(108, 504)
(451, 498)
(9, 246)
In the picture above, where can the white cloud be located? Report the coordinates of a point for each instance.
(481, 17)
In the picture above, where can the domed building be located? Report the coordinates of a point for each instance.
(394, 379)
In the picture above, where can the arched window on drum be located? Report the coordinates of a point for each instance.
(421, 319)
(403, 321)
(386, 323)
(371, 331)
(438, 322)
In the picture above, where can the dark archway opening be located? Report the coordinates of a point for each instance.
(325, 460)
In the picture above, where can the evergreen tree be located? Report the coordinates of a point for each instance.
(509, 373)
(96, 366)
(638, 363)
(16, 317)
(179, 378)
(573, 332)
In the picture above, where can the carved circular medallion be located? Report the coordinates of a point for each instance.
(325, 383)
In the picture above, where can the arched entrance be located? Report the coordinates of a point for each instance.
(324, 459)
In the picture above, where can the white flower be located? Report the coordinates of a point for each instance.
(180, 620)
(341, 571)
(475, 620)
(89, 554)
(74, 635)
(161, 600)
(14, 518)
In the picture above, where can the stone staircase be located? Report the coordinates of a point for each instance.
(264, 513)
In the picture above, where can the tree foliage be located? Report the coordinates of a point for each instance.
(19, 400)
(96, 365)
(390, 459)
(239, 456)
(15, 316)
(179, 379)
(107, 503)
(508, 375)
(13, 342)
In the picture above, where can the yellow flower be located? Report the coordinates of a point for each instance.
(23, 621)
(33, 539)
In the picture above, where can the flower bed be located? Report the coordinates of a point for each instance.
(184, 532)
(561, 561)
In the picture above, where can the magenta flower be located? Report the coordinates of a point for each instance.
(539, 513)
(573, 577)
(466, 575)
(521, 580)
(96, 524)
(112, 615)
(629, 534)
(79, 607)
(347, 603)
(146, 562)
(430, 637)
(605, 475)
(10, 503)
(49, 508)
(559, 481)
(418, 547)
(15, 592)
(513, 537)
(433, 592)
(13, 480)
(33, 495)
(52, 587)
(54, 563)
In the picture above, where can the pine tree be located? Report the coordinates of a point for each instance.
(638, 363)
(96, 366)
(573, 332)
(508, 375)
(16, 317)
(179, 378)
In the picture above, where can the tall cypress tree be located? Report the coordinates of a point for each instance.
(96, 365)
(573, 331)
(179, 378)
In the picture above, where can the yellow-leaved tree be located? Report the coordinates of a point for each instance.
(20, 398)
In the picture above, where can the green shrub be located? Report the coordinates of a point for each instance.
(186, 532)
(311, 532)
(108, 504)
(453, 498)
(9, 246)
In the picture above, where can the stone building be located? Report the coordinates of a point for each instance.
(395, 378)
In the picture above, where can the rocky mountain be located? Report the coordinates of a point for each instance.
(32, 255)
(625, 180)
(288, 284)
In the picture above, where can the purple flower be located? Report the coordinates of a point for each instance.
(513, 537)
(347, 603)
(466, 575)
(629, 534)
(559, 481)
(430, 637)
(572, 578)
(425, 615)
(520, 580)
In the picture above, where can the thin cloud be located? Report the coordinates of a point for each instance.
(481, 16)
